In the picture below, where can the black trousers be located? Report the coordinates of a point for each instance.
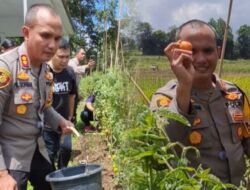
(40, 167)
(86, 117)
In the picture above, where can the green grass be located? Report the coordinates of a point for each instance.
(236, 67)
(242, 81)
(236, 71)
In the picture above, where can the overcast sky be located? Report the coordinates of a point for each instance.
(161, 14)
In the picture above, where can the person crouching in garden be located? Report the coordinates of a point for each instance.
(87, 114)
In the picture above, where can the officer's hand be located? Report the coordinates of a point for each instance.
(181, 62)
(66, 126)
(91, 63)
(6, 181)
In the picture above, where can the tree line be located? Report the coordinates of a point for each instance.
(96, 26)
(152, 42)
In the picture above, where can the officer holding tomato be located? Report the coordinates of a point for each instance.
(25, 102)
(217, 110)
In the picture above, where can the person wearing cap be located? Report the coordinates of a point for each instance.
(25, 102)
(217, 110)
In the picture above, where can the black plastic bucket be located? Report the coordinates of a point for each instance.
(82, 177)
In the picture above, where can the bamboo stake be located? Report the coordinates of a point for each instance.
(122, 55)
(225, 37)
(138, 88)
(106, 36)
(118, 33)
(73, 129)
(111, 56)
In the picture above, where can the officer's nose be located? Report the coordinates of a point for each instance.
(53, 44)
(199, 58)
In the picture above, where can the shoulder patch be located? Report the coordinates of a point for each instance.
(5, 77)
(162, 101)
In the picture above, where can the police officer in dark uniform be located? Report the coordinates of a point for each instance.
(217, 110)
(25, 102)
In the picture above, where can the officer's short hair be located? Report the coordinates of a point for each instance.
(63, 44)
(78, 49)
(33, 10)
(8, 43)
(195, 23)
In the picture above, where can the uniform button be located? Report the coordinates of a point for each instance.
(223, 155)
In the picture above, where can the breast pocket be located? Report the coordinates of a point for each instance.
(200, 133)
(235, 118)
(24, 96)
(23, 102)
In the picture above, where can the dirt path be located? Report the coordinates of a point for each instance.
(93, 149)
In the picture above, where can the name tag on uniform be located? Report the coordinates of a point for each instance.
(22, 84)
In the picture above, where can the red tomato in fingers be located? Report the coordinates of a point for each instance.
(185, 45)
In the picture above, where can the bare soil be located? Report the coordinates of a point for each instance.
(92, 148)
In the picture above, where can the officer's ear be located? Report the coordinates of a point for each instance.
(26, 31)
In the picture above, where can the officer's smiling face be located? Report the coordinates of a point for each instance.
(205, 51)
(42, 37)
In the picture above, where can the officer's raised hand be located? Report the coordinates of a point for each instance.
(180, 58)
(91, 63)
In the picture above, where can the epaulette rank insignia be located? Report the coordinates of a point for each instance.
(24, 61)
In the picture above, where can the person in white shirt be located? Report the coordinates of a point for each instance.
(79, 69)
